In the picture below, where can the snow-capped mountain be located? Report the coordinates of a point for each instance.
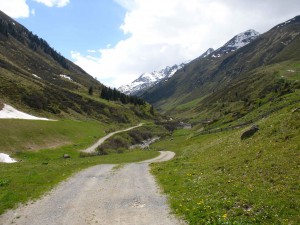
(207, 53)
(147, 80)
(236, 42)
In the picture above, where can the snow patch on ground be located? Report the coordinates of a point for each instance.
(9, 112)
(291, 71)
(4, 158)
(66, 77)
(36, 76)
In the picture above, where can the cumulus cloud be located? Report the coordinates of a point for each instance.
(15, 8)
(52, 3)
(20, 9)
(166, 32)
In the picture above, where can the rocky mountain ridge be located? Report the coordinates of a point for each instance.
(238, 81)
(148, 80)
(238, 41)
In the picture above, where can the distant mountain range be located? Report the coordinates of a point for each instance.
(250, 70)
(148, 80)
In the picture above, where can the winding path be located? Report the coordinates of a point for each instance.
(101, 140)
(103, 195)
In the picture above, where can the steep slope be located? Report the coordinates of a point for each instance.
(148, 80)
(37, 79)
(236, 42)
(234, 83)
(208, 52)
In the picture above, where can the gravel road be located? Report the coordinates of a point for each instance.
(103, 194)
(101, 140)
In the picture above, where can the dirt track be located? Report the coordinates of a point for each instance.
(101, 195)
(101, 140)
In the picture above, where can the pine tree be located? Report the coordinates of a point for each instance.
(152, 110)
(91, 90)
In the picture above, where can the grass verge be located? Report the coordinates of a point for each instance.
(219, 179)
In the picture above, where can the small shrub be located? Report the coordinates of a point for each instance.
(87, 154)
(4, 182)
(120, 150)
(101, 151)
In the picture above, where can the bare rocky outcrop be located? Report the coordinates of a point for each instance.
(249, 133)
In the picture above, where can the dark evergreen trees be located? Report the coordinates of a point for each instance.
(33, 41)
(91, 90)
(115, 95)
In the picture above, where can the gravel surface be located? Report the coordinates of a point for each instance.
(101, 140)
(102, 194)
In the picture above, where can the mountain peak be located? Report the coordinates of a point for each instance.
(205, 54)
(148, 80)
(238, 41)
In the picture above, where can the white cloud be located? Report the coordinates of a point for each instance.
(20, 9)
(165, 32)
(52, 3)
(15, 8)
(91, 51)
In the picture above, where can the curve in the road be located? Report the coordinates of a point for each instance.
(92, 148)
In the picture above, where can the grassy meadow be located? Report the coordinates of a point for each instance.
(40, 170)
(27, 135)
(219, 179)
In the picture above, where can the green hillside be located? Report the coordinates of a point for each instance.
(37, 79)
(221, 179)
(229, 87)
(216, 176)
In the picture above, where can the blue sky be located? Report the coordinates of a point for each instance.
(118, 40)
(80, 26)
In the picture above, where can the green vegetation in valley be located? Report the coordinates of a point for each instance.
(121, 142)
(18, 135)
(40, 170)
(220, 179)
